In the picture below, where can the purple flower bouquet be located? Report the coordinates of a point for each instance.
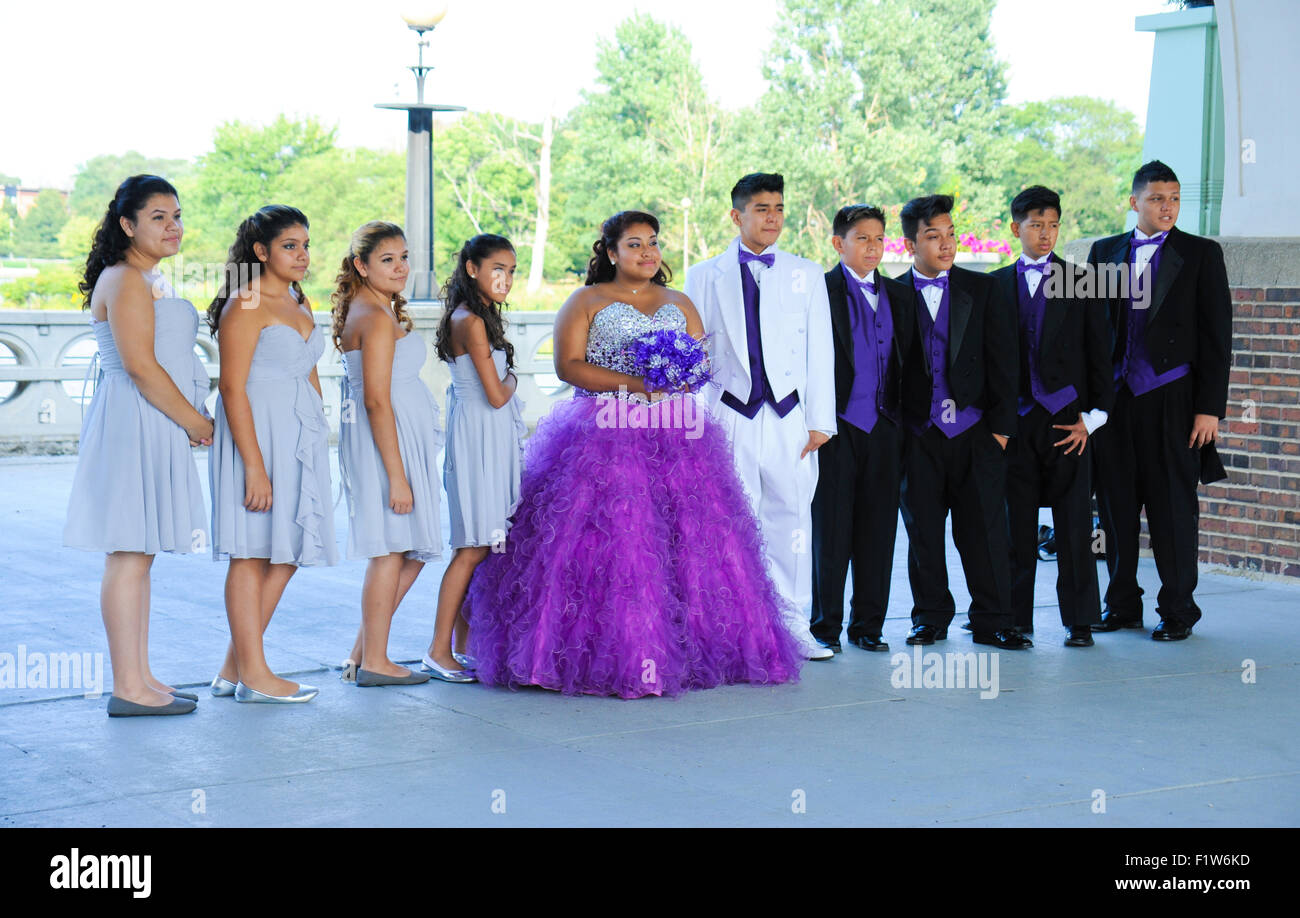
(670, 360)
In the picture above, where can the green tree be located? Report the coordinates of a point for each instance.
(240, 175)
(647, 137)
(76, 236)
(8, 227)
(338, 190)
(1083, 148)
(878, 101)
(37, 235)
(482, 183)
(98, 177)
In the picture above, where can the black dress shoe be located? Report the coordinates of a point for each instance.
(967, 626)
(1113, 621)
(1171, 631)
(833, 645)
(1008, 639)
(926, 634)
(870, 643)
(1080, 636)
(1027, 631)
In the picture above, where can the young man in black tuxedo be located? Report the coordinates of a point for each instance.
(1065, 394)
(959, 410)
(855, 507)
(1172, 350)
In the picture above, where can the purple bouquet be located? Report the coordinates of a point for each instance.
(671, 360)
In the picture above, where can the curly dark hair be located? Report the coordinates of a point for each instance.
(111, 241)
(461, 290)
(600, 269)
(348, 282)
(242, 262)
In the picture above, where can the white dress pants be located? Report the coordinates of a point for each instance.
(780, 488)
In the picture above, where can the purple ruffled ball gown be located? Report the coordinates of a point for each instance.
(635, 565)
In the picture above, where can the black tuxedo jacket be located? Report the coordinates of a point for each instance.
(983, 350)
(1190, 316)
(1074, 343)
(903, 317)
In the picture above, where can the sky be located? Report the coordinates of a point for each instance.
(85, 78)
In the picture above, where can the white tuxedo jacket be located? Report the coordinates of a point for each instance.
(795, 322)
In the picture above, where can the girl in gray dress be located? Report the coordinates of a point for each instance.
(136, 490)
(269, 468)
(485, 431)
(389, 438)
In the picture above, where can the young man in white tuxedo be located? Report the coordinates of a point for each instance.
(774, 381)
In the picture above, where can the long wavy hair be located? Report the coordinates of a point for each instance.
(111, 241)
(462, 290)
(242, 262)
(348, 282)
(600, 269)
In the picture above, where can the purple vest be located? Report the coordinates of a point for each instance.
(1032, 309)
(873, 339)
(944, 413)
(760, 390)
(1134, 365)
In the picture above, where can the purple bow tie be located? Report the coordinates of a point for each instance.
(1022, 267)
(767, 258)
(1135, 242)
(868, 286)
(923, 282)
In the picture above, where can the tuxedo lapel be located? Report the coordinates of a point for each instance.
(731, 301)
(918, 302)
(838, 292)
(959, 308)
(1054, 308)
(1118, 255)
(1170, 264)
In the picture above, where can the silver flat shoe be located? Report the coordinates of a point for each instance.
(465, 660)
(120, 707)
(349, 671)
(446, 675)
(365, 679)
(305, 693)
(222, 688)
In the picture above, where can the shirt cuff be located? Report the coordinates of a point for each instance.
(1093, 419)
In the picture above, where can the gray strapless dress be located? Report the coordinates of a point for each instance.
(136, 487)
(373, 528)
(484, 460)
(293, 436)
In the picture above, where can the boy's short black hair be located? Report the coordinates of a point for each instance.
(849, 216)
(1035, 197)
(1154, 171)
(754, 183)
(924, 208)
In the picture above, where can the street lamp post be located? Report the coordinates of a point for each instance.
(421, 284)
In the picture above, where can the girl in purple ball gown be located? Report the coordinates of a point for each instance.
(634, 565)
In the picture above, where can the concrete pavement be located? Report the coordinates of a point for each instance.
(1127, 733)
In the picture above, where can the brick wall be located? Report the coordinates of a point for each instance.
(1251, 520)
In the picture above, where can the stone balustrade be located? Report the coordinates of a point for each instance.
(45, 355)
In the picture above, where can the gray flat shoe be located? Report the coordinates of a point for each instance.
(366, 679)
(188, 696)
(120, 707)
